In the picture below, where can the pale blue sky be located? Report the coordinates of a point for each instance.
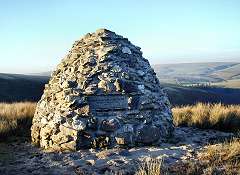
(35, 35)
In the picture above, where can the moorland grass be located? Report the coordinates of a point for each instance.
(208, 116)
(223, 158)
(16, 118)
(151, 167)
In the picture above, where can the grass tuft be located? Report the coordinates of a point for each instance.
(208, 116)
(151, 167)
(16, 118)
(223, 158)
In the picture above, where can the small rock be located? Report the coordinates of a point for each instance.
(124, 138)
(44, 121)
(79, 124)
(126, 50)
(90, 162)
(148, 134)
(110, 125)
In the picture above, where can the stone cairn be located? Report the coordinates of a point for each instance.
(102, 94)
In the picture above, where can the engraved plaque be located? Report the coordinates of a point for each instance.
(108, 102)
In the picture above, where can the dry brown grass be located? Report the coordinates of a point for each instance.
(208, 116)
(151, 167)
(16, 118)
(222, 159)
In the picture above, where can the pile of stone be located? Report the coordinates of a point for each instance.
(102, 94)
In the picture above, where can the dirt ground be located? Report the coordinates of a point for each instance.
(18, 156)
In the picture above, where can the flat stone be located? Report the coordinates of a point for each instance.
(124, 138)
(148, 134)
(79, 124)
(72, 146)
(85, 140)
(110, 125)
(68, 131)
(126, 50)
(84, 110)
(90, 162)
(129, 86)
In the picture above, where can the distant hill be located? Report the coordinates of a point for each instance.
(176, 79)
(224, 74)
(14, 87)
(180, 95)
(228, 73)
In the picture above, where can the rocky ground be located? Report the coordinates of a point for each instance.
(18, 156)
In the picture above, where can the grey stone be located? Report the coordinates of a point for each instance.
(126, 50)
(78, 123)
(92, 123)
(148, 134)
(110, 125)
(102, 94)
(124, 138)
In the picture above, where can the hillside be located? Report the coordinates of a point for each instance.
(17, 88)
(192, 73)
(177, 80)
(229, 73)
(180, 95)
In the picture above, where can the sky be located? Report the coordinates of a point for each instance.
(36, 35)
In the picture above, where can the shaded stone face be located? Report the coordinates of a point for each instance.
(102, 94)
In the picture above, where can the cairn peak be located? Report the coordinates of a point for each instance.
(103, 30)
(102, 94)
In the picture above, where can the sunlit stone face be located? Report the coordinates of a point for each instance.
(102, 94)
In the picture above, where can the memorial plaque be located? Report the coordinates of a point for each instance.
(108, 102)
